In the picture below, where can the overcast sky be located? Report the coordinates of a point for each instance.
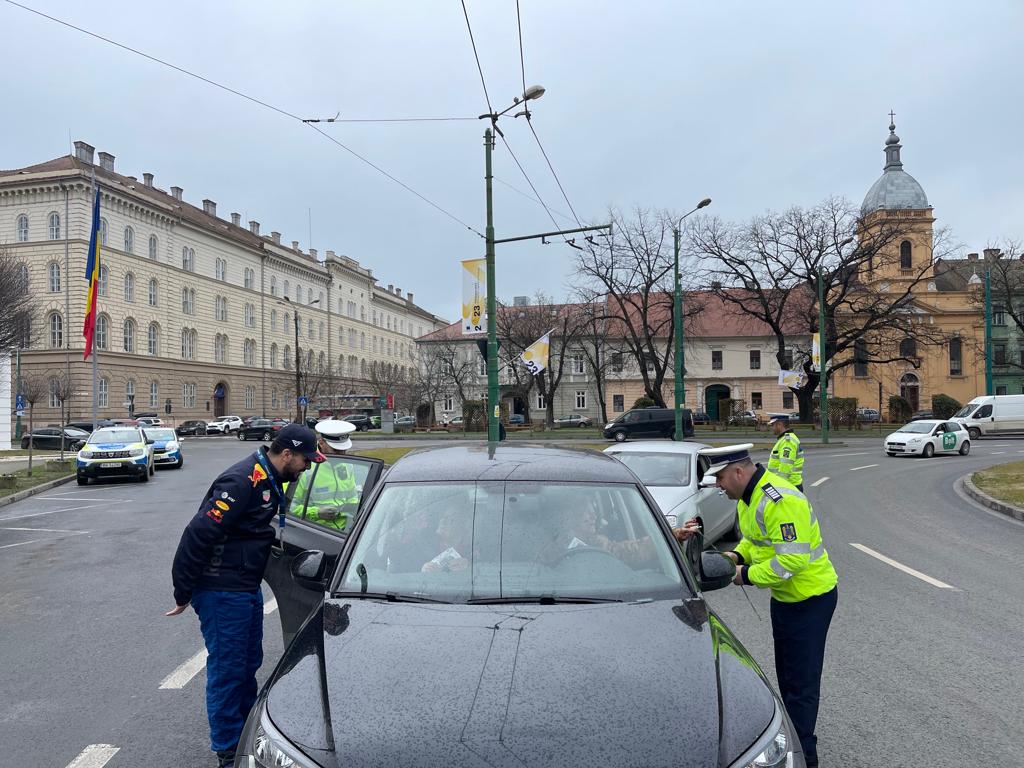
(757, 105)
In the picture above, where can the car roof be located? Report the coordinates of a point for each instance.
(519, 462)
(657, 446)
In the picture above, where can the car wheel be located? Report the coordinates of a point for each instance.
(965, 448)
(268, 436)
(241, 436)
(889, 453)
(620, 436)
(974, 432)
(583, 424)
(929, 451)
(24, 442)
(83, 480)
(180, 464)
(144, 477)
(152, 470)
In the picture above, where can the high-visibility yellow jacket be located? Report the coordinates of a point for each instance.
(787, 459)
(333, 485)
(782, 546)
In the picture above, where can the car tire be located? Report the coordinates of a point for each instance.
(965, 448)
(83, 480)
(928, 451)
(24, 443)
(620, 436)
(144, 477)
(152, 470)
(974, 432)
(889, 453)
(267, 436)
(241, 436)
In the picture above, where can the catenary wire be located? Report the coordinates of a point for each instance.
(252, 99)
(476, 56)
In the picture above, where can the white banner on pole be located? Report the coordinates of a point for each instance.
(792, 379)
(535, 356)
(815, 350)
(474, 296)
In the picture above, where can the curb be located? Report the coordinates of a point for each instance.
(5, 500)
(984, 499)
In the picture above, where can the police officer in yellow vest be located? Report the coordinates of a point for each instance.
(333, 494)
(781, 550)
(787, 459)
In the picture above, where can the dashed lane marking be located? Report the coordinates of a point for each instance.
(900, 566)
(84, 498)
(816, 483)
(866, 466)
(40, 530)
(997, 453)
(94, 756)
(838, 455)
(20, 543)
(48, 512)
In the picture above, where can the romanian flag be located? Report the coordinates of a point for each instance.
(92, 274)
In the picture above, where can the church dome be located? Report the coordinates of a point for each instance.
(895, 189)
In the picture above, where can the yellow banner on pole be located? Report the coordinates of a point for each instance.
(535, 356)
(815, 353)
(474, 296)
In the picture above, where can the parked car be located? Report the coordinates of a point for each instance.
(669, 473)
(647, 422)
(225, 425)
(993, 415)
(868, 415)
(456, 421)
(361, 420)
(700, 417)
(926, 437)
(528, 535)
(115, 452)
(194, 427)
(149, 421)
(166, 447)
(573, 420)
(261, 429)
(919, 415)
(56, 438)
(744, 419)
(86, 426)
(516, 418)
(375, 422)
(405, 422)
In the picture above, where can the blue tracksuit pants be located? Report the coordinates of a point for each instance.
(232, 626)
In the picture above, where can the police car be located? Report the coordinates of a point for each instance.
(927, 437)
(116, 452)
(166, 447)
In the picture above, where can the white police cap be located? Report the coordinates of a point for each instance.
(335, 433)
(722, 457)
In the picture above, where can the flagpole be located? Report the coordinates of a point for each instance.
(95, 363)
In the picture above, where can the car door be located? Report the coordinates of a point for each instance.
(295, 603)
(947, 442)
(47, 438)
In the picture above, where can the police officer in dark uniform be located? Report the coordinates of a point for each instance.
(218, 569)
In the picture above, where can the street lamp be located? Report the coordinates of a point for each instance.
(822, 382)
(677, 312)
(298, 374)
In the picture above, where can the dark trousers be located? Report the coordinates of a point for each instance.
(799, 630)
(232, 626)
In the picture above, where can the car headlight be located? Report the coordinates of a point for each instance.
(915, 440)
(268, 748)
(137, 452)
(171, 446)
(775, 749)
(85, 454)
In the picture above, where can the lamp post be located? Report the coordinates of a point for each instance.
(677, 319)
(298, 373)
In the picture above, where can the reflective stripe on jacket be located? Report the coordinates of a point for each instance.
(787, 459)
(782, 544)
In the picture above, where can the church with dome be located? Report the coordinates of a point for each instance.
(948, 356)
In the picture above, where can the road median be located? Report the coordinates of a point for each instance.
(999, 488)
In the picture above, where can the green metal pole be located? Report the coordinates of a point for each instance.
(822, 383)
(677, 320)
(492, 314)
(988, 332)
(17, 422)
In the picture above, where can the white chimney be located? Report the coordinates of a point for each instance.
(176, 193)
(408, 297)
(84, 152)
(209, 207)
(107, 161)
(391, 288)
(312, 253)
(147, 179)
(236, 219)
(254, 227)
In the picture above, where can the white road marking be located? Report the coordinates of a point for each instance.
(20, 543)
(94, 756)
(84, 498)
(997, 453)
(180, 677)
(816, 483)
(906, 569)
(866, 466)
(269, 607)
(50, 512)
(863, 453)
(41, 530)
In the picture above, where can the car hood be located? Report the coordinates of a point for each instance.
(670, 496)
(367, 683)
(111, 446)
(906, 435)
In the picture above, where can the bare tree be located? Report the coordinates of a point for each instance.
(448, 360)
(518, 327)
(59, 387)
(18, 312)
(593, 343)
(768, 270)
(34, 388)
(633, 271)
(1005, 268)
(431, 379)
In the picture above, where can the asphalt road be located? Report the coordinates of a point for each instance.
(917, 674)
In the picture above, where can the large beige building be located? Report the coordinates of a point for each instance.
(195, 311)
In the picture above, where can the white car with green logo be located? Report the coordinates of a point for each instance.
(928, 437)
(116, 452)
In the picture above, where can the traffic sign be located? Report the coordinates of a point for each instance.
(19, 402)
(303, 401)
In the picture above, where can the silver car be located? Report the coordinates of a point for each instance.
(669, 472)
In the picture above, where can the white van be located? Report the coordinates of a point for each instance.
(993, 415)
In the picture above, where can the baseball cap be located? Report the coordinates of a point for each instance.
(299, 439)
(335, 433)
(720, 458)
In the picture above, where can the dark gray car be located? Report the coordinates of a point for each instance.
(522, 606)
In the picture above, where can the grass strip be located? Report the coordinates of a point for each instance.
(1005, 482)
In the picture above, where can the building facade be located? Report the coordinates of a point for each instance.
(197, 315)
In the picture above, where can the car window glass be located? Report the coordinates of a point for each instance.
(116, 436)
(328, 493)
(658, 469)
(160, 434)
(632, 417)
(916, 427)
(457, 542)
(984, 412)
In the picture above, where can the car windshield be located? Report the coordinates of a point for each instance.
(656, 468)
(493, 540)
(161, 434)
(74, 431)
(115, 435)
(966, 411)
(917, 427)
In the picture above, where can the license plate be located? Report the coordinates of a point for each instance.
(110, 465)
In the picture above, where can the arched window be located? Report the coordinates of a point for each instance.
(188, 344)
(250, 397)
(152, 247)
(298, 293)
(905, 254)
(250, 316)
(220, 309)
(273, 285)
(273, 398)
(362, 368)
(285, 324)
(362, 341)
(188, 395)
(341, 365)
(103, 281)
(103, 393)
(910, 390)
(55, 398)
(221, 270)
(129, 287)
(908, 348)
(22, 279)
(250, 353)
(56, 324)
(129, 335)
(309, 361)
(286, 287)
(286, 358)
(103, 231)
(129, 240)
(309, 295)
(321, 363)
(188, 259)
(188, 301)
(309, 329)
(152, 292)
(273, 355)
(153, 339)
(102, 332)
(55, 226)
(322, 300)
(23, 228)
(54, 275)
(129, 391)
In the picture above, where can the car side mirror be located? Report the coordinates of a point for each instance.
(150, 441)
(716, 571)
(308, 570)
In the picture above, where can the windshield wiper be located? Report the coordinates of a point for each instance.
(541, 599)
(391, 597)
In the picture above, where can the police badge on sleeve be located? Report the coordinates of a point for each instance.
(788, 531)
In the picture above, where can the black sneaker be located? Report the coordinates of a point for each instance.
(226, 759)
